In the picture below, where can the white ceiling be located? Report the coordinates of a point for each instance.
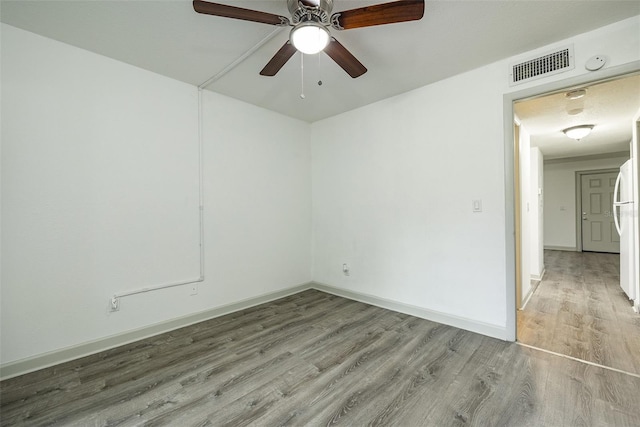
(169, 38)
(611, 106)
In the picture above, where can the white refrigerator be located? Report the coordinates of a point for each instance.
(624, 209)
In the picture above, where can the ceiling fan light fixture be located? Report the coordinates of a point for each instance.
(309, 37)
(578, 132)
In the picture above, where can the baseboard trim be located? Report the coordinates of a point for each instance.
(532, 290)
(561, 248)
(490, 330)
(45, 360)
(538, 278)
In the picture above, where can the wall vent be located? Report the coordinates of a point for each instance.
(555, 62)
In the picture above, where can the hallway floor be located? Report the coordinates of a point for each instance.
(579, 310)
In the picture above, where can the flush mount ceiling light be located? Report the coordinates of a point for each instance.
(309, 37)
(578, 132)
(576, 94)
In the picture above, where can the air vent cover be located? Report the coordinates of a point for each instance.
(555, 62)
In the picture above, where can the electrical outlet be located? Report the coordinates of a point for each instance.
(345, 269)
(114, 304)
(194, 289)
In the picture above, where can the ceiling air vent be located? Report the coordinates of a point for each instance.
(542, 66)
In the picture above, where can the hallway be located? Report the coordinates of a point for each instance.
(579, 310)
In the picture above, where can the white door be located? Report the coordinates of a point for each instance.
(598, 228)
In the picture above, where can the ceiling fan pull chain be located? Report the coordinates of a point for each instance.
(319, 71)
(301, 75)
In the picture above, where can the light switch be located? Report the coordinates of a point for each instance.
(477, 205)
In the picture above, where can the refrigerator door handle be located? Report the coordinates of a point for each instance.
(616, 203)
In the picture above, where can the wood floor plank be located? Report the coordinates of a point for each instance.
(391, 381)
(317, 359)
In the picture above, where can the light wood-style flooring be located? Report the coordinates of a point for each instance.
(579, 310)
(314, 359)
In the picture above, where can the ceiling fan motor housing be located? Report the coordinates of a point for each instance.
(314, 11)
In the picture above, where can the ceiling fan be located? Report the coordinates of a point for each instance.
(311, 20)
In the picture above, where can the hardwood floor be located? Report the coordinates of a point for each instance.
(580, 310)
(317, 359)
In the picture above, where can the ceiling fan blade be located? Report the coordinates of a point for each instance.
(345, 59)
(279, 59)
(379, 14)
(226, 11)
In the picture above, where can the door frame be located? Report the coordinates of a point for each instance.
(579, 201)
(510, 163)
(518, 215)
(635, 159)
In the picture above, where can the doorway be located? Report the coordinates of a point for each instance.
(568, 310)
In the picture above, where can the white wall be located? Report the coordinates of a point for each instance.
(531, 220)
(560, 199)
(392, 189)
(536, 204)
(393, 195)
(526, 219)
(100, 195)
(258, 198)
(531, 239)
